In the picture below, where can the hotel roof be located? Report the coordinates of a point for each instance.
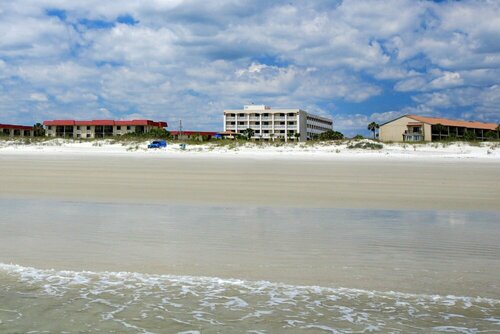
(447, 122)
(190, 133)
(15, 127)
(104, 122)
(457, 123)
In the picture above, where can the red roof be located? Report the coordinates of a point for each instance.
(104, 122)
(15, 127)
(189, 133)
(449, 122)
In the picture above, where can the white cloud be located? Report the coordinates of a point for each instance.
(191, 59)
(39, 97)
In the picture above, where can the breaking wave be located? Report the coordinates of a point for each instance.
(39, 300)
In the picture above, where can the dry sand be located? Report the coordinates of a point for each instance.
(368, 183)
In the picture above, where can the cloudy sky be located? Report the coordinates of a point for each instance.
(355, 61)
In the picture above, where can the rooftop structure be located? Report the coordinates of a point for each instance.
(99, 128)
(271, 124)
(12, 130)
(421, 128)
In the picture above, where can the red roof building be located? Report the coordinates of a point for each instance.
(16, 130)
(422, 128)
(196, 135)
(99, 128)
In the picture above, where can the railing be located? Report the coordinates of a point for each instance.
(230, 118)
(413, 137)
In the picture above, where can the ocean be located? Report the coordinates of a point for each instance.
(83, 267)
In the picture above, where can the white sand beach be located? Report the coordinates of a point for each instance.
(457, 177)
(488, 151)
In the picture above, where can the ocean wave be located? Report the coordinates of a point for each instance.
(136, 302)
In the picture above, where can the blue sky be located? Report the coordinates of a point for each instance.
(356, 61)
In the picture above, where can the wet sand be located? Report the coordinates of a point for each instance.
(407, 251)
(366, 183)
(419, 238)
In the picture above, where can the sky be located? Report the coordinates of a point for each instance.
(356, 61)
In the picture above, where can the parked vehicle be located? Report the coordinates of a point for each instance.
(157, 144)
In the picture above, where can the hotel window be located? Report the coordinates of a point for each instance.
(88, 135)
(128, 127)
(118, 128)
(88, 128)
(78, 127)
(49, 127)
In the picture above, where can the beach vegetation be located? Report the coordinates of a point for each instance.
(358, 137)
(365, 145)
(248, 133)
(330, 135)
(38, 130)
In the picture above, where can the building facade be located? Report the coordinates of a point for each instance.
(410, 128)
(271, 124)
(98, 128)
(10, 130)
(193, 135)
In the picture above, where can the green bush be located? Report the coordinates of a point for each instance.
(366, 146)
(330, 135)
(358, 137)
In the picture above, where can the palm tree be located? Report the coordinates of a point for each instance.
(439, 128)
(38, 130)
(248, 133)
(297, 136)
(373, 128)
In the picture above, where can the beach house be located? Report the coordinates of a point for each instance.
(421, 128)
(99, 128)
(271, 124)
(194, 135)
(11, 130)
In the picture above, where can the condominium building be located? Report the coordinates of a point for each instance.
(98, 128)
(11, 130)
(420, 128)
(271, 124)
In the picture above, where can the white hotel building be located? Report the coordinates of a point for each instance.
(271, 124)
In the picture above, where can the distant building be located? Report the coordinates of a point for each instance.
(271, 124)
(420, 128)
(193, 135)
(16, 130)
(98, 128)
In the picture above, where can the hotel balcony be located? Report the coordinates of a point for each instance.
(414, 136)
(230, 118)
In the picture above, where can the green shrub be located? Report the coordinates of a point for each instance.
(330, 135)
(366, 146)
